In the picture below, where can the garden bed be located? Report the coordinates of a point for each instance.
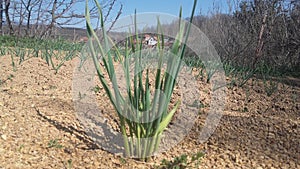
(39, 127)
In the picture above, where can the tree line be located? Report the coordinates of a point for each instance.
(40, 18)
(252, 32)
(256, 31)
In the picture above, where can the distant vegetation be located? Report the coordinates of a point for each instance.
(39, 44)
(257, 32)
(45, 18)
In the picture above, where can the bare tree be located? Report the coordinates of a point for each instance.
(63, 13)
(1, 16)
(29, 6)
(42, 18)
(8, 21)
(257, 31)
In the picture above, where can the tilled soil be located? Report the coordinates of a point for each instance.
(39, 127)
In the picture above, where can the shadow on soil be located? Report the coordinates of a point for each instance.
(96, 134)
(79, 134)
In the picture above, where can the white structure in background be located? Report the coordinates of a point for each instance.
(150, 40)
(147, 41)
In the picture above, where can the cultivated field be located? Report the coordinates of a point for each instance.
(39, 129)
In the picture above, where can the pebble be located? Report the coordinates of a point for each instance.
(4, 126)
(45, 87)
(4, 137)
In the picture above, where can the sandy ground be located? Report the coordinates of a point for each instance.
(39, 128)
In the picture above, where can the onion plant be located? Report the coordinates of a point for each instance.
(137, 111)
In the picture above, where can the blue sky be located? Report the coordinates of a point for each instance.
(163, 6)
(170, 7)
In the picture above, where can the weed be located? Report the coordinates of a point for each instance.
(96, 89)
(54, 144)
(295, 98)
(245, 109)
(13, 63)
(52, 87)
(247, 96)
(10, 77)
(197, 104)
(123, 160)
(69, 163)
(182, 162)
(81, 96)
(21, 147)
(270, 88)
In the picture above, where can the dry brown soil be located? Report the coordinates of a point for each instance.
(36, 109)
